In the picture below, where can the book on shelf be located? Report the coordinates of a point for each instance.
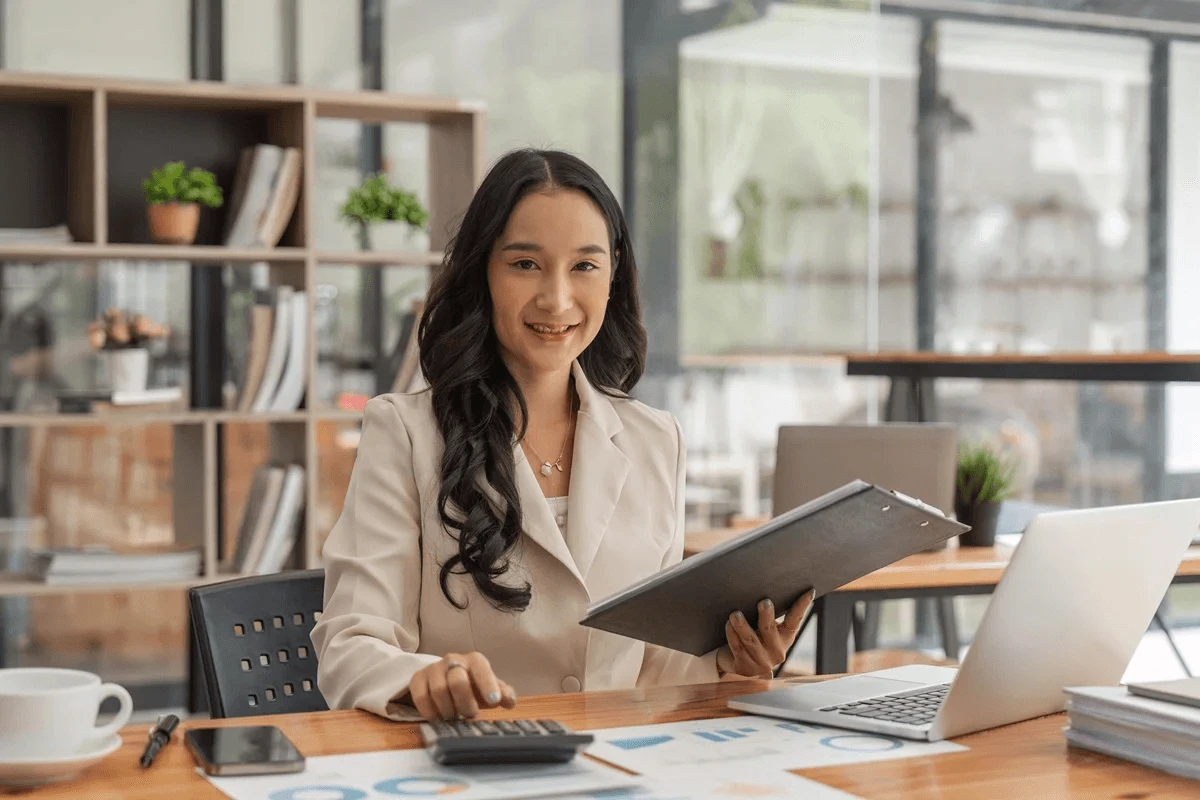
(103, 565)
(277, 365)
(1155, 733)
(265, 190)
(55, 234)
(271, 520)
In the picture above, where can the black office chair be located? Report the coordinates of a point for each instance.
(252, 635)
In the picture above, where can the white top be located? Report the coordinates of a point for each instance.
(558, 508)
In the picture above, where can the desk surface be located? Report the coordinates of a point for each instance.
(948, 568)
(1030, 759)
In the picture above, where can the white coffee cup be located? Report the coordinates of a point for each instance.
(50, 713)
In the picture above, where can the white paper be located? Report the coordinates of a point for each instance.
(677, 748)
(392, 774)
(715, 783)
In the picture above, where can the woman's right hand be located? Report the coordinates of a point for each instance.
(458, 686)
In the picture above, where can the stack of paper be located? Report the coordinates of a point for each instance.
(101, 565)
(1154, 733)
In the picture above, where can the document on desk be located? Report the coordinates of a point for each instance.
(716, 783)
(411, 773)
(675, 749)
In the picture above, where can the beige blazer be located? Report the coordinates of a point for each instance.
(385, 616)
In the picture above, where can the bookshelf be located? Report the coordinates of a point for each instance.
(83, 146)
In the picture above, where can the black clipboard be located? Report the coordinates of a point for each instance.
(822, 545)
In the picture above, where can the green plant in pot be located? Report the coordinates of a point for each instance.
(387, 217)
(174, 195)
(984, 479)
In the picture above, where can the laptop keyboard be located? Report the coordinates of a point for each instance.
(916, 707)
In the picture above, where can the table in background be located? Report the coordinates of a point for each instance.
(942, 573)
(911, 399)
(1030, 759)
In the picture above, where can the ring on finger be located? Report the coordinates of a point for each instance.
(451, 664)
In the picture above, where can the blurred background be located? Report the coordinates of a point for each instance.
(802, 179)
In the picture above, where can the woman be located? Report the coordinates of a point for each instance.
(485, 513)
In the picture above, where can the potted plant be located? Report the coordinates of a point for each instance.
(174, 195)
(387, 217)
(984, 479)
(124, 338)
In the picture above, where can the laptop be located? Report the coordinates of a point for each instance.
(1075, 600)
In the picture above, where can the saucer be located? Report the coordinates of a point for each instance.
(35, 772)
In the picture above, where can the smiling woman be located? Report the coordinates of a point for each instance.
(455, 560)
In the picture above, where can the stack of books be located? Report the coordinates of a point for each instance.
(271, 520)
(1156, 725)
(102, 565)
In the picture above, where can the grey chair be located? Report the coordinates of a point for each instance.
(918, 459)
(252, 636)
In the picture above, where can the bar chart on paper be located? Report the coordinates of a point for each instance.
(672, 748)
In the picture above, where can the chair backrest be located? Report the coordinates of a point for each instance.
(919, 460)
(253, 638)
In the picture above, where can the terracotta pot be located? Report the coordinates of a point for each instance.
(173, 223)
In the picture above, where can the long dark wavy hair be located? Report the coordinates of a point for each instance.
(477, 402)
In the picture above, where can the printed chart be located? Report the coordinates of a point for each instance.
(672, 748)
(407, 774)
(716, 784)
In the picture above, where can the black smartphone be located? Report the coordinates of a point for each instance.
(245, 750)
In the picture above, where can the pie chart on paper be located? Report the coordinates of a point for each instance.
(421, 786)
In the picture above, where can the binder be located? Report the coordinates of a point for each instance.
(821, 545)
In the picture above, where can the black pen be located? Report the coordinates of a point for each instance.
(160, 734)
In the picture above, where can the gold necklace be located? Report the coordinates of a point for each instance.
(548, 467)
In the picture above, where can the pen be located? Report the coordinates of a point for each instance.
(160, 734)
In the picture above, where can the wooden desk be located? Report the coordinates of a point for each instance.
(949, 572)
(1027, 760)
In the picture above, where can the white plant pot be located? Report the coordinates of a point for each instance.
(397, 237)
(129, 369)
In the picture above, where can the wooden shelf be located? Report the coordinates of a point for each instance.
(337, 415)
(80, 147)
(122, 418)
(367, 106)
(203, 254)
(32, 588)
(353, 257)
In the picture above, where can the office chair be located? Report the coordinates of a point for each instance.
(920, 460)
(252, 635)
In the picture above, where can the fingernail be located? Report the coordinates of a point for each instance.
(493, 698)
(740, 616)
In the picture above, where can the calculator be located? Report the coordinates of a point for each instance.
(521, 741)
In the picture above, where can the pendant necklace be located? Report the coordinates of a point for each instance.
(547, 466)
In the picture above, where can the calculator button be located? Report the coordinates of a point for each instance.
(487, 728)
(442, 729)
(508, 728)
(552, 726)
(529, 727)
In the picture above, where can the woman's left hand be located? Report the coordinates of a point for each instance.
(756, 654)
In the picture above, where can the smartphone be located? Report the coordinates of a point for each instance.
(244, 750)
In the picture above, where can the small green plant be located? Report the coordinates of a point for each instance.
(984, 476)
(175, 182)
(376, 201)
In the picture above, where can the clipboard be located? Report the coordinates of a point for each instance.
(821, 545)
